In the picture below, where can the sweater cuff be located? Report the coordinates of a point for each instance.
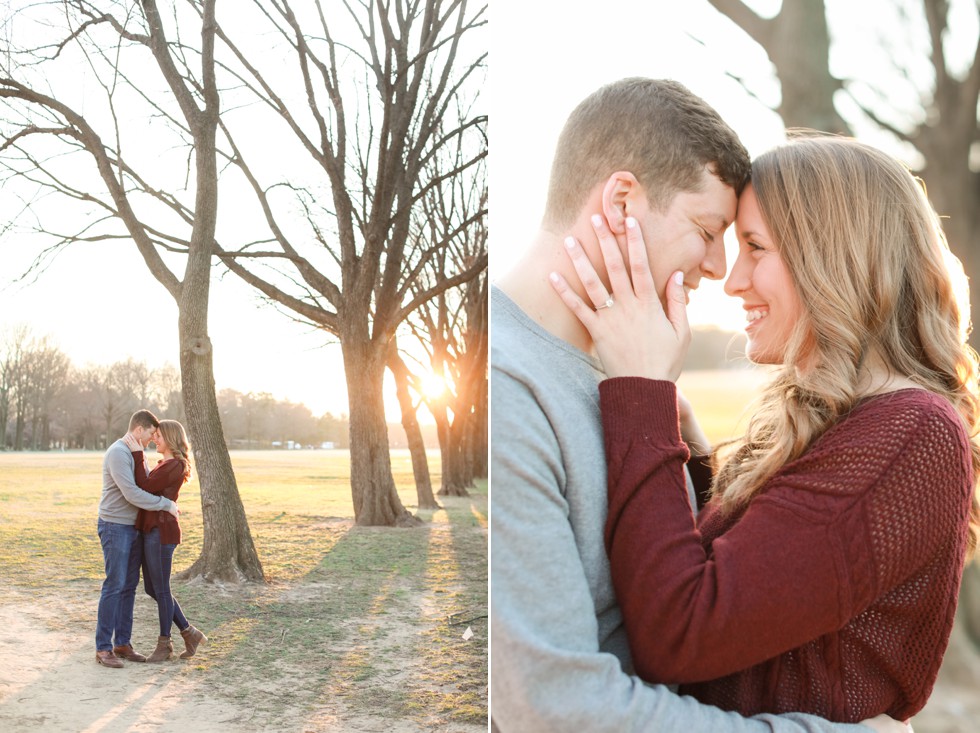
(636, 404)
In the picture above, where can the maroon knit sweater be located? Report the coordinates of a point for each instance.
(164, 480)
(833, 593)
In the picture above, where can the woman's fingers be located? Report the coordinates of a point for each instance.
(612, 257)
(642, 278)
(677, 307)
(575, 304)
(589, 278)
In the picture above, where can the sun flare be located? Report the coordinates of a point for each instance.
(433, 386)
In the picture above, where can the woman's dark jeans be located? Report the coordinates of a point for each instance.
(157, 561)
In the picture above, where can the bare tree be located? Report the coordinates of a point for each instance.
(369, 121)
(461, 346)
(405, 384)
(114, 42)
(166, 394)
(12, 350)
(452, 328)
(797, 42)
(83, 425)
(46, 372)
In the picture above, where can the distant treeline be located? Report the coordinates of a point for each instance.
(48, 403)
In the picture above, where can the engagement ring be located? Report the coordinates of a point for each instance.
(607, 304)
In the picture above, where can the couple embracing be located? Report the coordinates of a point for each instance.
(804, 577)
(138, 528)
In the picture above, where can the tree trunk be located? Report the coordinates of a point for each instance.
(416, 445)
(797, 42)
(228, 553)
(800, 50)
(953, 188)
(19, 430)
(376, 502)
(454, 476)
(4, 415)
(479, 444)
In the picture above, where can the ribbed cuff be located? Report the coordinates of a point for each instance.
(633, 405)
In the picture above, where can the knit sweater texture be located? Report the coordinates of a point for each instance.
(832, 593)
(164, 480)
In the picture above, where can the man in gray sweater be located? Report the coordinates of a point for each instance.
(637, 149)
(122, 547)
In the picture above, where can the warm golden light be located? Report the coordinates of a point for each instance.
(433, 386)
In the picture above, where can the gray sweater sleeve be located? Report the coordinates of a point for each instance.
(548, 673)
(122, 474)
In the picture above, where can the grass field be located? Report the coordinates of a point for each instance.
(354, 625)
(722, 399)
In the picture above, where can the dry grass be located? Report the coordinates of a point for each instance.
(722, 399)
(354, 623)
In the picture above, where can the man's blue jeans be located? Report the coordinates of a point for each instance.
(157, 563)
(122, 549)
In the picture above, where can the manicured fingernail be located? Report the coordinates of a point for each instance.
(596, 221)
(553, 277)
(630, 222)
(679, 277)
(570, 242)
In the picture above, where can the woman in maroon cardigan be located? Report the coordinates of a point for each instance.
(161, 535)
(822, 575)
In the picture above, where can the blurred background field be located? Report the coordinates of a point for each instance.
(722, 398)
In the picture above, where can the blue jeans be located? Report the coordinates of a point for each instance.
(122, 550)
(157, 562)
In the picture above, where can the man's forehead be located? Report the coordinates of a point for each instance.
(720, 205)
(716, 218)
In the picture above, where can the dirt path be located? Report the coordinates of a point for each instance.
(269, 667)
(49, 680)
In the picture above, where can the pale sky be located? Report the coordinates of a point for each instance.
(98, 302)
(548, 55)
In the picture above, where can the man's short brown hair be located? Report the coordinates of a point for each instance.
(143, 419)
(654, 128)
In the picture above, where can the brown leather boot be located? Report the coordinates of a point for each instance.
(127, 652)
(193, 638)
(164, 650)
(108, 659)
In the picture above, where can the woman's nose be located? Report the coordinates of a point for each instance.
(738, 280)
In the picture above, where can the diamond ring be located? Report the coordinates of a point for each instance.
(607, 304)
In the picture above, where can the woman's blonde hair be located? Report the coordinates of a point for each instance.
(173, 433)
(876, 279)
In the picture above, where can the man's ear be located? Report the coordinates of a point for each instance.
(618, 194)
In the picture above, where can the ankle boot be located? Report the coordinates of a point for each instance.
(164, 650)
(127, 652)
(192, 640)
